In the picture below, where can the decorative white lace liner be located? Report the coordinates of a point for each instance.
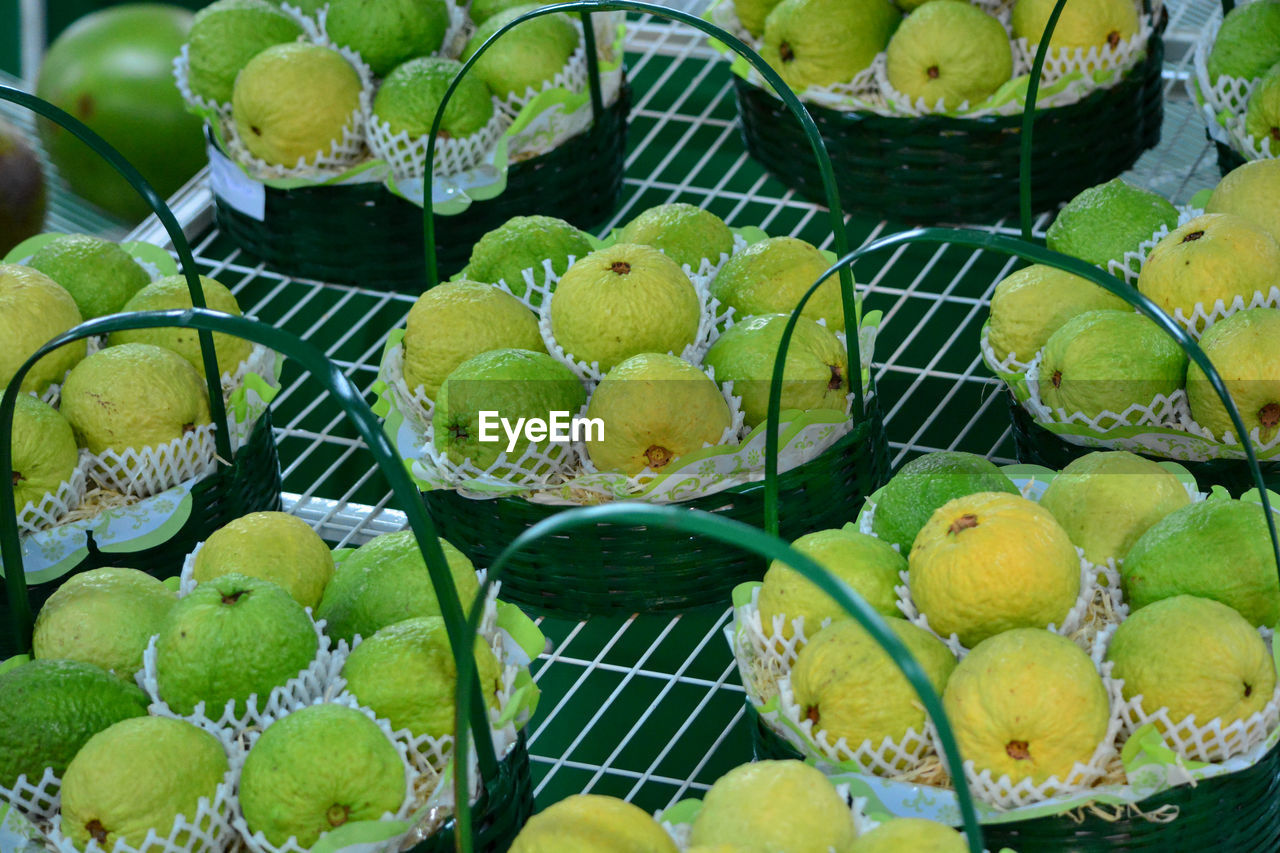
(54, 506)
(39, 801)
(407, 155)
(1223, 105)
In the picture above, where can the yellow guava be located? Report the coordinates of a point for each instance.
(591, 823)
(271, 546)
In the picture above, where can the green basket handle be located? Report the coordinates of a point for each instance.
(749, 539)
(314, 362)
(104, 150)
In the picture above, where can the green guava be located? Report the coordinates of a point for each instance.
(949, 51)
(173, 292)
(1242, 349)
(405, 673)
(526, 57)
(1212, 257)
(685, 232)
(774, 805)
(769, 277)
(851, 688)
(98, 274)
(752, 14)
(911, 833)
(458, 320)
(133, 396)
(513, 384)
(270, 546)
(104, 617)
(1248, 42)
(824, 42)
(386, 581)
(869, 565)
(1034, 302)
(1107, 361)
(388, 32)
(137, 776)
(292, 101)
(1251, 191)
(1106, 500)
(592, 823)
(1196, 657)
(926, 483)
(1262, 121)
(23, 199)
(482, 10)
(521, 243)
(51, 707)
(225, 35)
(621, 301)
(317, 769)
(815, 373)
(1082, 24)
(654, 408)
(1217, 549)
(230, 638)
(1103, 222)
(410, 97)
(33, 309)
(43, 451)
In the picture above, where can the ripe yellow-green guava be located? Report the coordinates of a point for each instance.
(911, 833)
(1242, 349)
(270, 546)
(949, 51)
(823, 42)
(1251, 191)
(1082, 24)
(525, 58)
(685, 232)
(227, 34)
(410, 97)
(924, 484)
(388, 32)
(770, 276)
(1033, 303)
(482, 10)
(523, 243)
(591, 823)
(992, 562)
(42, 449)
(172, 292)
(98, 274)
(1248, 42)
(1262, 119)
(1103, 222)
(33, 309)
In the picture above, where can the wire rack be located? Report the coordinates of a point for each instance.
(650, 708)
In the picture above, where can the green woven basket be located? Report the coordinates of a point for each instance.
(935, 168)
(364, 234)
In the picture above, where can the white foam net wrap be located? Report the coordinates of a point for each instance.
(38, 800)
(407, 155)
(54, 506)
(1224, 102)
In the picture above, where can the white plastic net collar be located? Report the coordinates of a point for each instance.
(407, 155)
(37, 800)
(54, 506)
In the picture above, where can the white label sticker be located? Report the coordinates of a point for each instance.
(233, 186)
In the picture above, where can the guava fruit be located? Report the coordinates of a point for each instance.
(1027, 704)
(514, 384)
(1033, 303)
(824, 42)
(43, 451)
(386, 581)
(1103, 222)
(769, 277)
(654, 408)
(850, 687)
(23, 198)
(1214, 256)
(524, 58)
(51, 707)
(774, 805)
(482, 10)
(926, 483)
(1107, 361)
(270, 546)
(98, 274)
(388, 32)
(33, 309)
(685, 232)
(133, 396)
(113, 70)
(458, 320)
(1082, 24)
(317, 769)
(137, 776)
(815, 373)
(624, 300)
(1262, 120)
(591, 823)
(1251, 191)
(405, 673)
(104, 617)
(991, 562)
(292, 101)
(229, 638)
(521, 243)
(868, 565)
(410, 97)
(173, 292)
(752, 14)
(1248, 42)
(1218, 549)
(949, 51)
(1242, 348)
(910, 833)
(1106, 500)
(1196, 657)
(225, 35)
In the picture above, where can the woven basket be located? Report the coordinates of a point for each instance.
(935, 168)
(1228, 158)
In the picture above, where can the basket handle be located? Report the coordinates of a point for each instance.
(314, 362)
(103, 149)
